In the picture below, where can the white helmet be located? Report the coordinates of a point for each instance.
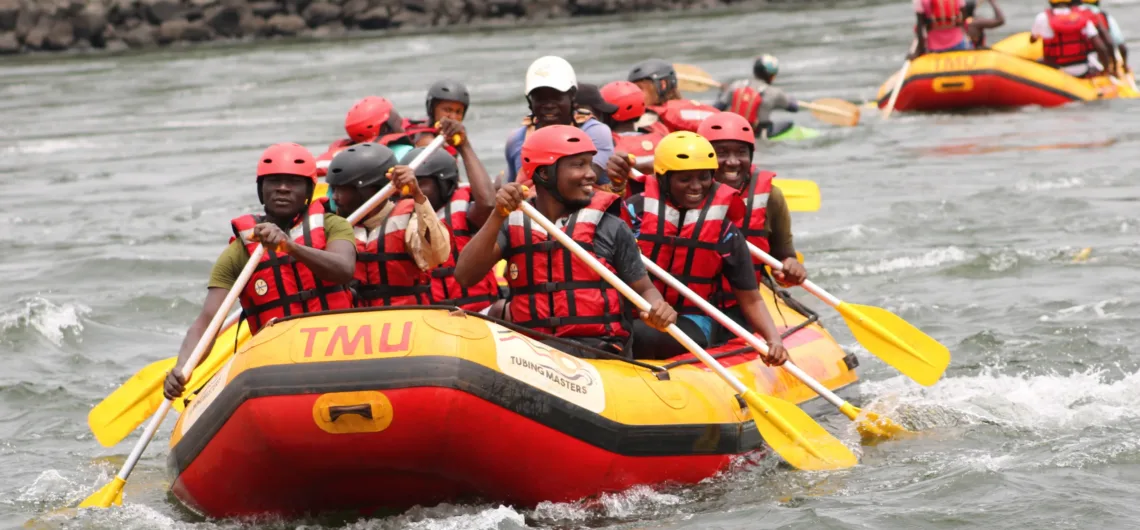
(550, 71)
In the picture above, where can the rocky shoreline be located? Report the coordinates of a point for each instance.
(115, 25)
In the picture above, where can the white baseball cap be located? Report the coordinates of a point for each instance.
(550, 71)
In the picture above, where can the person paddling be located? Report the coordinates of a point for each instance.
(1109, 30)
(658, 82)
(976, 26)
(940, 26)
(371, 120)
(767, 221)
(445, 99)
(462, 208)
(309, 255)
(757, 98)
(1070, 36)
(550, 290)
(551, 89)
(401, 241)
(687, 228)
(629, 139)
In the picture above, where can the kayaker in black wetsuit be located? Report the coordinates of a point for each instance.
(755, 99)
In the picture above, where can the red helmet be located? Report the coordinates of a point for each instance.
(727, 126)
(628, 97)
(287, 159)
(549, 144)
(366, 117)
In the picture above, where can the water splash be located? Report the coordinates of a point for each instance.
(54, 321)
(928, 259)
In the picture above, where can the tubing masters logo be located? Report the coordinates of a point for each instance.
(550, 370)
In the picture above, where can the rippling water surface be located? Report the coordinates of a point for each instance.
(118, 176)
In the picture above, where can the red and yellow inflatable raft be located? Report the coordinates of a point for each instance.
(390, 408)
(1002, 77)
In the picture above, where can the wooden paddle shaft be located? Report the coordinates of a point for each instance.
(632, 295)
(826, 109)
(807, 285)
(898, 84)
(739, 330)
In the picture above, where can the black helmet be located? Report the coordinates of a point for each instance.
(446, 90)
(655, 70)
(361, 165)
(440, 166)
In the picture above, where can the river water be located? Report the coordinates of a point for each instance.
(118, 176)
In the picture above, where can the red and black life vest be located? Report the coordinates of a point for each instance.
(943, 14)
(554, 292)
(683, 114)
(281, 286)
(754, 225)
(685, 242)
(746, 101)
(325, 159)
(640, 144)
(1069, 45)
(414, 128)
(386, 274)
(445, 290)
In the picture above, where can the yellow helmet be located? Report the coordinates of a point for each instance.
(683, 151)
(1092, 2)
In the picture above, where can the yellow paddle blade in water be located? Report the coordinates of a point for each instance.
(897, 342)
(120, 413)
(107, 496)
(797, 438)
(801, 195)
(691, 78)
(872, 427)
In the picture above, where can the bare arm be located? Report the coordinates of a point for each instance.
(335, 264)
(999, 17)
(482, 189)
(920, 34)
(1107, 58)
(481, 253)
(645, 288)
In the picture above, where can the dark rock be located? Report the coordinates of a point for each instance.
(28, 19)
(353, 10)
(412, 19)
(160, 11)
(296, 7)
(9, 12)
(38, 34)
(265, 9)
(225, 20)
(119, 11)
(592, 7)
(72, 8)
(376, 18)
(331, 29)
(198, 31)
(91, 23)
(140, 37)
(115, 45)
(132, 23)
(498, 8)
(60, 37)
(321, 13)
(287, 25)
(253, 25)
(171, 31)
(9, 43)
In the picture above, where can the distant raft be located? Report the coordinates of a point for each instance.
(1006, 76)
(389, 408)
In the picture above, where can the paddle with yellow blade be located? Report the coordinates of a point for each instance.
(691, 78)
(885, 334)
(801, 195)
(787, 429)
(112, 493)
(870, 425)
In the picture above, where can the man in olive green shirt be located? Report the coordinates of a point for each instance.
(286, 176)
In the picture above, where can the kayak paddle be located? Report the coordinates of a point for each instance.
(801, 195)
(885, 334)
(787, 429)
(870, 425)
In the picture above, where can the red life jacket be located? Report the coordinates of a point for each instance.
(684, 242)
(1069, 45)
(683, 114)
(943, 14)
(639, 143)
(554, 292)
(445, 290)
(386, 274)
(281, 286)
(754, 225)
(746, 101)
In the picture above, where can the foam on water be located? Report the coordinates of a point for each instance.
(928, 259)
(1035, 402)
(637, 501)
(448, 517)
(54, 321)
(49, 146)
